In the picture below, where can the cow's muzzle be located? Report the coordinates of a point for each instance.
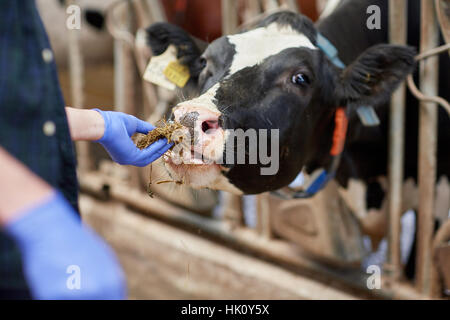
(205, 134)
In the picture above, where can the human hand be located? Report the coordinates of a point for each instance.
(62, 258)
(119, 127)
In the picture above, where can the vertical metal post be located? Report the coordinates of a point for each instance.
(156, 11)
(270, 5)
(142, 13)
(229, 16)
(125, 75)
(252, 9)
(264, 223)
(123, 64)
(427, 147)
(397, 35)
(293, 5)
(232, 209)
(76, 70)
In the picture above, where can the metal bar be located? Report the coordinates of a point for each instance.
(122, 38)
(264, 223)
(419, 95)
(397, 35)
(76, 70)
(427, 147)
(443, 15)
(156, 11)
(120, 64)
(125, 73)
(232, 209)
(252, 9)
(442, 238)
(293, 5)
(270, 5)
(142, 13)
(76, 67)
(229, 16)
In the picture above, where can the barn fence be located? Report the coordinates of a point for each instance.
(275, 239)
(428, 244)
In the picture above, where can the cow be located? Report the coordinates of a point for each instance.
(275, 76)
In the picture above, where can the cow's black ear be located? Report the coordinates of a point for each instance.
(189, 49)
(375, 74)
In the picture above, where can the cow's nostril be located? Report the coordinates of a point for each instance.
(207, 126)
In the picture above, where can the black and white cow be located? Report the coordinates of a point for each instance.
(275, 77)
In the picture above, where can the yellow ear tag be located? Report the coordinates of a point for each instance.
(154, 72)
(177, 73)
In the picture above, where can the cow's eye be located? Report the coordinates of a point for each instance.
(202, 62)
(300, 79)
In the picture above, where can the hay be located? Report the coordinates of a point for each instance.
(164, 129)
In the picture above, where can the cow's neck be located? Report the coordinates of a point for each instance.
(346, 30)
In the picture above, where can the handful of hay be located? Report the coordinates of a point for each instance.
(164, 129)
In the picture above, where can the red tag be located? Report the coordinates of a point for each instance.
(340, 131)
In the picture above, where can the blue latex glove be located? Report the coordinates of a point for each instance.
(119, 127)
(57, 251)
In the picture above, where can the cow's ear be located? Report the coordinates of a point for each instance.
(189, 49)
(375, 74)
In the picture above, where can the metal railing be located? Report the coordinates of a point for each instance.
(425, 282)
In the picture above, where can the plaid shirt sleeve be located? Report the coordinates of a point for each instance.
(33, 124)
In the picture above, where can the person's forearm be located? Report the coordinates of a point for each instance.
(20, 189)
(85, 125)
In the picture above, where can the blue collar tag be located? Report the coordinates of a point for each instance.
(368, 116)
(327, 47)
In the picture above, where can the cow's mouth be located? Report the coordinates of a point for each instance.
(183, 168)
(180, 158)
(196, 173)
(196, 161)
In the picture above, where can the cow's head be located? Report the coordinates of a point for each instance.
(271, 77)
